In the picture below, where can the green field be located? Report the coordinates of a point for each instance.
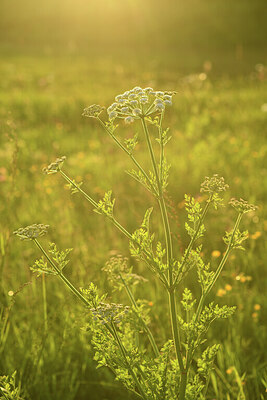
(218, 124)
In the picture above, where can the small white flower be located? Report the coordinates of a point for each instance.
(129, 120)
(113, 115)
(137, 112)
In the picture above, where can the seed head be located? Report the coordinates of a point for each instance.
(215, 184)
(242, 206)
(54, 166)
(93, 111)
(31, 232)
(109, 312)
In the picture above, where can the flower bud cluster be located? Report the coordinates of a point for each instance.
(116, 266)
(109, 312)
(93, 111)
(242, 206)
(215, 184)
(31, 232)
(54, 166)
(138, 103)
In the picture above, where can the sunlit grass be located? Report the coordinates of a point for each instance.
(219, 125)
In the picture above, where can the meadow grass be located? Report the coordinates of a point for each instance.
(218, 125)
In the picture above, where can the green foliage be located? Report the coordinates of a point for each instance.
(194, 388)
(122, 335)
(8, 388)
(120, 274)
(164, 169)
(234, 239)
(164, 137)
(131, 143)
(74, 187)
(188, 302)
(206, 361)
(59, 256)
(194, 212)
(92, 295)
(106, 205)
(148, 182)
(142, 240)
(205, 274)
(40, 266)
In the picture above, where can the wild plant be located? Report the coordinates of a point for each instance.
(9, 389)
(121, 334)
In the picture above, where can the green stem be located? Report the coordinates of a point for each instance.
(44, 303)
(216, 275)
(165, 220)
(193, 239)
(135, 307)
(83, 299)
(182, 388)
(161, 146)
(123, 148)
(123, 351)
(224, 259)
(59, 273)
(113, 220)
(219, 269)
(72, 183)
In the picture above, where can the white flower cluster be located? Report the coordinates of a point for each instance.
(31, 232)
(138, 103)
(109, 312)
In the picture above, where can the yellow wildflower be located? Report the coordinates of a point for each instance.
(255, 235)
(221, 292)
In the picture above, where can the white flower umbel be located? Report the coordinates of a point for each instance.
(138, 103)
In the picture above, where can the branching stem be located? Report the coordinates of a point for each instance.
(216, 275)
(171, 291)
(123, 148)
(61, 275)
(135, 307)
(124, 354)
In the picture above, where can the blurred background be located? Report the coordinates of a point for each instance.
(177, 33)
(56, 58)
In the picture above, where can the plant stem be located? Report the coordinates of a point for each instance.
(193, 239)
(114, 221)
(148, 331)
(171, 291)
(219, 269)
(83, 299)
(224, 259)
(44, 302)
(123, 351)
(216, 275)
(78, 188)
(60, 274)
(123, 148)
(161, 146)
